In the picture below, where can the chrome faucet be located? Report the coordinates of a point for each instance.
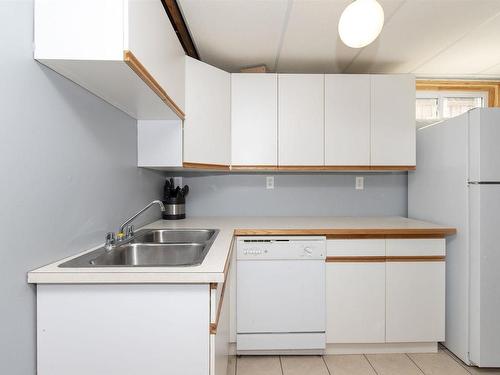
(126, 230)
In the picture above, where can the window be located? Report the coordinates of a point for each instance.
(434, 106)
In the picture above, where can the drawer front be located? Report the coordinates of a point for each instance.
(416, 247)
(354, 248)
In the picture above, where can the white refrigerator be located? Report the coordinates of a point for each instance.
(457, 183)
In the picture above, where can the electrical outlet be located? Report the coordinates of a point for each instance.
(270, 182)
(360, 183)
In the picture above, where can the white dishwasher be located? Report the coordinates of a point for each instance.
(280, 295)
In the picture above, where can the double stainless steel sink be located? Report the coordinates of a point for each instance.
(152, 248)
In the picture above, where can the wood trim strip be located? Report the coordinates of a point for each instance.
(307, 168)
(412, 258)
(365, 259)
(203, 166)
(139, 69)
(492, 87)
(352, 233)
(355, 259)
(323, 167)
(254, 167)
(213, 326)
(179, 24)
(393, 168)
(382, 236)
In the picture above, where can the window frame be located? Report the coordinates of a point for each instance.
(439, 95)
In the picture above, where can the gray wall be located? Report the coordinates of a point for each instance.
(307, 195)
(68, 174)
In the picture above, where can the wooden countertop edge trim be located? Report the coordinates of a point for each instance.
(133, 63)
(354, 259)
(205, 166)
(353, 233)
(367, 259)
(213, 326)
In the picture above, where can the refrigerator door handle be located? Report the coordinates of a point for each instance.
(483, 182)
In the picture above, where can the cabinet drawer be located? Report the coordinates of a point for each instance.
(355, 247)
(416, 247)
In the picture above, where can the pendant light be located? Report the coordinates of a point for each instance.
(361, 23)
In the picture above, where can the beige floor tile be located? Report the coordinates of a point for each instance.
(393, 364)
(438, 363)
(303, 365)
(258, 365)
(231, 365)
(348, 365)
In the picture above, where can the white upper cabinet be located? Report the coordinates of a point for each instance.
(254, 119)
(207, 126)
(300, 119)
(347, 120)
(124, 51)
(393, 120)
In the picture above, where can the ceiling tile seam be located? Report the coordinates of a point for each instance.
(284, 29)
(385, 23)
(443, 50)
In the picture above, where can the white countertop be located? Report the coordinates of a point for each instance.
(212, 268)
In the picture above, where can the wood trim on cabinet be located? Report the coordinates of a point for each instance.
(179, 24)
(365, 259)
(354, 259)
(350, 233)
(250, 168)
(332, 168)
(218, 167)
(323, 167)
(213, 326)
(491, 87)
(383, 236)
(139, 69)
(414, 258)
(393, 167)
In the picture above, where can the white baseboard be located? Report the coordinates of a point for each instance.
(410, 347)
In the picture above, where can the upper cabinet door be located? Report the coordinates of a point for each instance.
(301, 119)
(126, 52)
(347, 120)
(254, 119)
(207, 126)
(393, 120)
(154, 42)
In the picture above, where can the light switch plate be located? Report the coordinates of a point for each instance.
(360, 183)
(270, 182)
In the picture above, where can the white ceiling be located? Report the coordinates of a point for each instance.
(431, 38)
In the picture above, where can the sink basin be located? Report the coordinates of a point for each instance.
(152, 255)
(152, 248)
(175, 236)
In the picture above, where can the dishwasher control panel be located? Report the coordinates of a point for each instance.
(268, 248)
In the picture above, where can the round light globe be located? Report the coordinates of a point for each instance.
(361, 23)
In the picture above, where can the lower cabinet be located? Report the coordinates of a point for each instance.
(415, 301)
(355, 302)
(219, 330)
(131, 329)
(385, 291)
